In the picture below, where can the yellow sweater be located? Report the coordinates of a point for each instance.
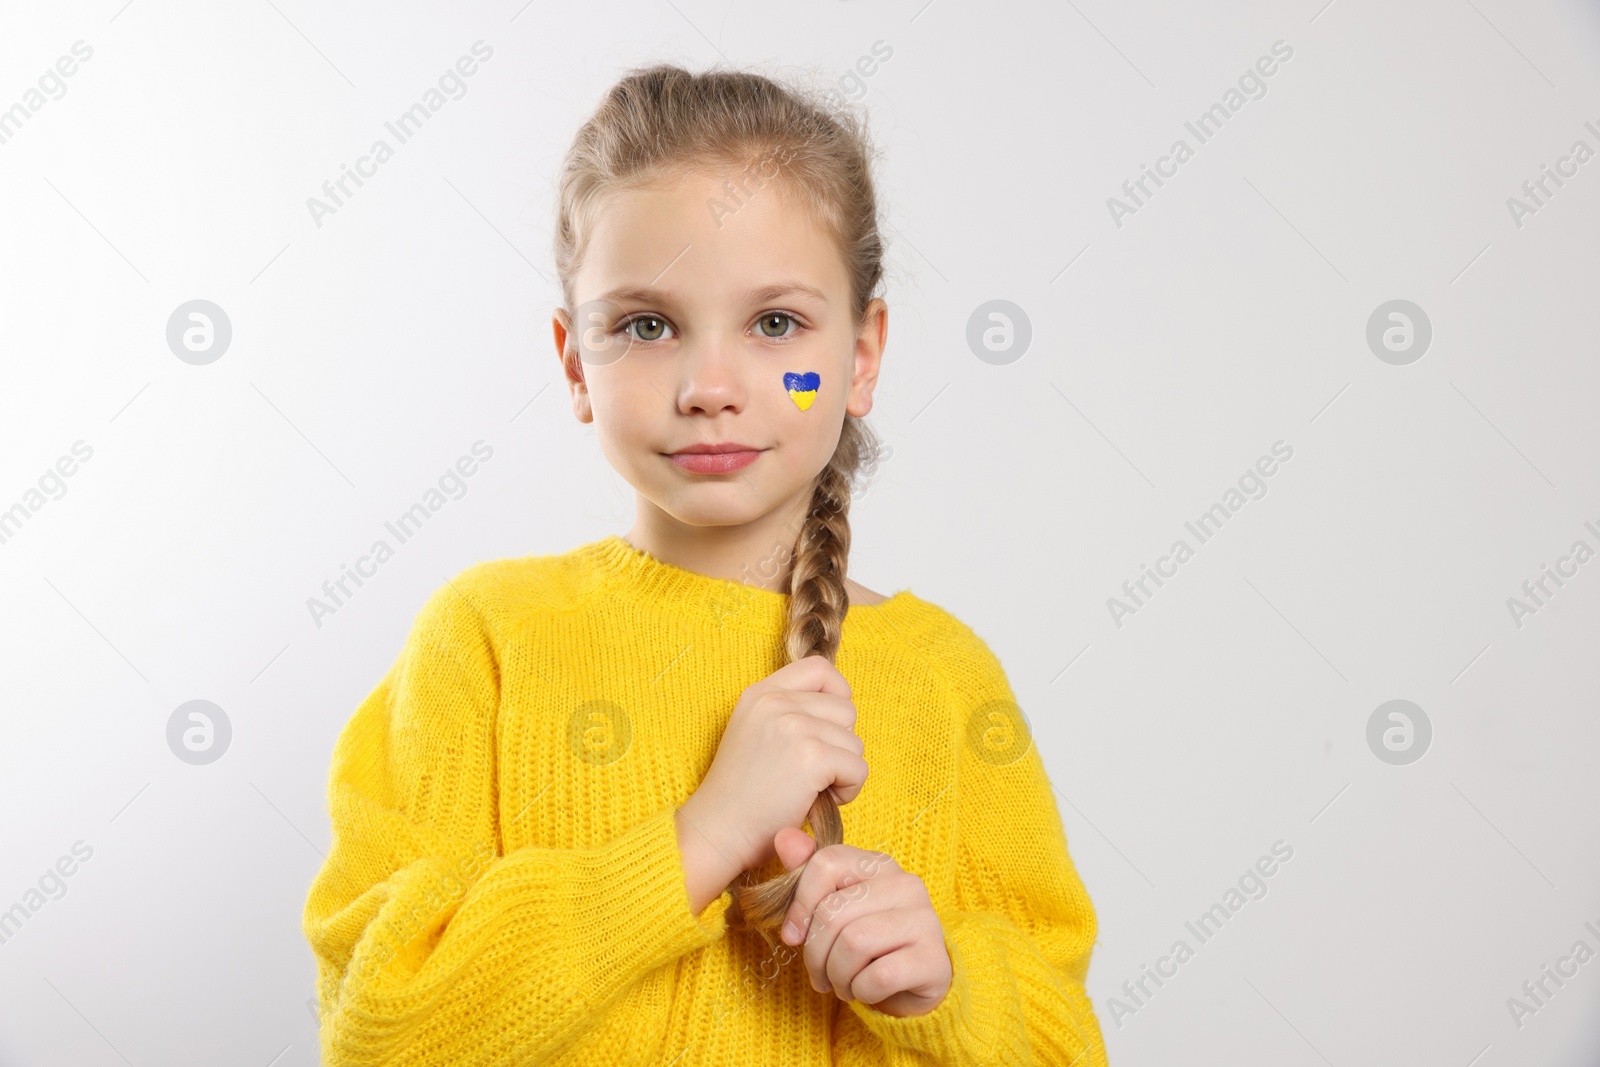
(505, 885)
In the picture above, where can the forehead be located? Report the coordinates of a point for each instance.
(708, 235)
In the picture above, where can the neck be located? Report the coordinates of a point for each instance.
(757, 553)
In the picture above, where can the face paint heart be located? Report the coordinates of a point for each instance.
(802, 388)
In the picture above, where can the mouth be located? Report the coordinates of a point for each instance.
(724, 458)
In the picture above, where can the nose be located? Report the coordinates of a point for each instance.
(709, 370)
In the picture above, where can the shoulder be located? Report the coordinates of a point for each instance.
(941, 678)
(499, 595)
(956, 652)
(983, 704)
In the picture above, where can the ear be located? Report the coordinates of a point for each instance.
(571, 364)
(871, 336)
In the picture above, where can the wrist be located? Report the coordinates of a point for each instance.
(709, 863)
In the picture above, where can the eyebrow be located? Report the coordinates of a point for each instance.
(645, 294)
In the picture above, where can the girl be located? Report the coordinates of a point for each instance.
(567, 824)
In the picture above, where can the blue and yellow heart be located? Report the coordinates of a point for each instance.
(802, 387)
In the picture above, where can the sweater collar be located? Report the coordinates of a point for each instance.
(724, 603)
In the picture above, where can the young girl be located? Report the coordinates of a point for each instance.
(567, 824)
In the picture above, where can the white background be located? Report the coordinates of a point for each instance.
(1229, 313)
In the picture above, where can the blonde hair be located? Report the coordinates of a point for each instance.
(661, 122)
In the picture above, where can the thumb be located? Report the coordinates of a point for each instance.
(793, 846)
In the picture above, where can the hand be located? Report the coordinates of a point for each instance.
(869, 927)
(791, 735)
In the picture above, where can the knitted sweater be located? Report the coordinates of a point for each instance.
(505, 884)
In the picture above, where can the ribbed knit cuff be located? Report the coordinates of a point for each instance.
(626, 904)
(621, 907)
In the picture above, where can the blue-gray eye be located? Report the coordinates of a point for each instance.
(780, 319)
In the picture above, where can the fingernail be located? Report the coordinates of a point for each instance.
(791, 933)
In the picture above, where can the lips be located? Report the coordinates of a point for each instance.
(717, 458)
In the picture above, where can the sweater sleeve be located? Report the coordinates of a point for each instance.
(1021, 928)
(431, 946)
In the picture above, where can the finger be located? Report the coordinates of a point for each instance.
(839, 737)
(883, 980)
(832, 756)
(862, 942)
(811, 674)
(838, 909)
(828, 707)
(836, 869)
(793, 846)
(849, 774)
(833, 913)
(823, 874)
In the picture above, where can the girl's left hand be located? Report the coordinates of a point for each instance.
(869, 927)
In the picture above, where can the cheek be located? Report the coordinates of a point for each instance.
(627, 417)
(622, 398)
(809, 384)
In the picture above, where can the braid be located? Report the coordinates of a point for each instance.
(661, 121)
(817, 597)
(818, 602)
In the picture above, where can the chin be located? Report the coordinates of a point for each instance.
(692, 515)
(720, 504)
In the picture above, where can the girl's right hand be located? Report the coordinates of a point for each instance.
(791, 736)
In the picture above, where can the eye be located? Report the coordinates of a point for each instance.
(773, 322)
(651, 327)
